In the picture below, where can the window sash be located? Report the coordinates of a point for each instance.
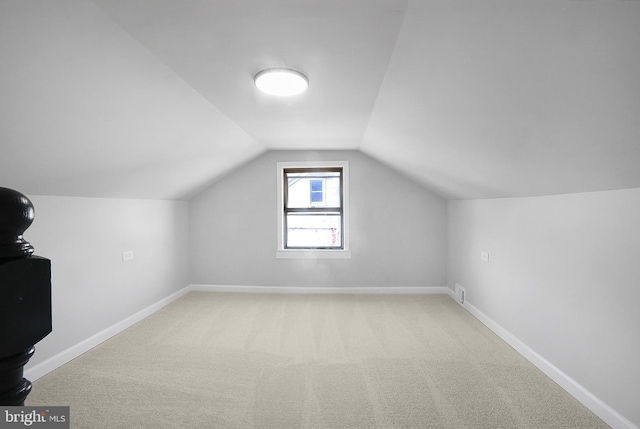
(291, 172)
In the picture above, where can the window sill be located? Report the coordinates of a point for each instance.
(313, 254)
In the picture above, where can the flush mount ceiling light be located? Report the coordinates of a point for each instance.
(281, 82)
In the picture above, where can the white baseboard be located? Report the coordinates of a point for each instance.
(300, 290)
(35, 372)
(452, 294)
(596, 405)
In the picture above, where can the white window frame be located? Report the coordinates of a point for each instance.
(281, 252)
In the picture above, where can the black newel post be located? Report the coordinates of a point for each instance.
(25, 296)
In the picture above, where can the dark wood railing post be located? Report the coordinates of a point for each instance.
(25, 296)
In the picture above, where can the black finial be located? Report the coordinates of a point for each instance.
(16, 215)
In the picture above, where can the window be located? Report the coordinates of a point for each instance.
(316, 192)
(313, 210)
(310, 220)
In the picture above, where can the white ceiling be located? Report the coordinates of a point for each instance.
(473, 99)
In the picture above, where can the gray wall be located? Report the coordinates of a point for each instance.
(92, 288)
(564, 277)
(397, 234)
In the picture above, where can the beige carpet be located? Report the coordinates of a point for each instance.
(231, 360)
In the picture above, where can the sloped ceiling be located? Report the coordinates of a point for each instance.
(513, 98)
(473, 99)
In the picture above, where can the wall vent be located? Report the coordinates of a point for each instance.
(460, 294)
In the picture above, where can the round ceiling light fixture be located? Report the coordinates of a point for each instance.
(281, 82)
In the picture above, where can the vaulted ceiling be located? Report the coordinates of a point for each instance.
(472, 98)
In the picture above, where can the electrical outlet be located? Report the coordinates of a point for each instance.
(484, 256)
(127, 255)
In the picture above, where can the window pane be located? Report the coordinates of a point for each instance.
(316, 195)
(316, 185)
(314, 230)
(317, 189)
